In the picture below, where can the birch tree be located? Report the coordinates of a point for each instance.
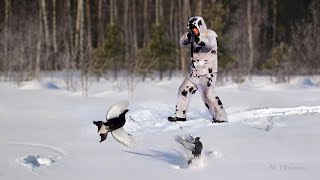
(54, 26)
(38, 55)
(250, 38)
(88, 12)
(6, 35)
(100, 23)
(46, 32)
(186, 14)
(146, 35)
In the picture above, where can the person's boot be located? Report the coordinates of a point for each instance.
(175, 118)
(218, 121)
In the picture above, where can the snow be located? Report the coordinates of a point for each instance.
(31, 85)
(47, 132)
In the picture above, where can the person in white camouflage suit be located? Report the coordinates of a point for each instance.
(203, 71)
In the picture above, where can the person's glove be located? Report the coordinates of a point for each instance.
(197, 39)
(192, 37)
(189, 36)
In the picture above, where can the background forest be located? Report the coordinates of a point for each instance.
(99, 38)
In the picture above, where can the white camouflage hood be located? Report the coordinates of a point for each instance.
(199, 23)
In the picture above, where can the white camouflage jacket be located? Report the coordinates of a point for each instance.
(205, 60)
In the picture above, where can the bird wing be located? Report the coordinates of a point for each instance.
(116, 109)
(185, 143)
(123, 137)
(189, 139)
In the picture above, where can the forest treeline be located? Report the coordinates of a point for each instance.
(140, 37)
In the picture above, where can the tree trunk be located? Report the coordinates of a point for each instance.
(46, 32)
(186, 13)
(100, 23)
(198, 10)
(111, 12)
(176, 36)
(81, 38)
(126, 39)
(145, 23)
(250, 39)
(115, 11)
(70, 27)
(134, 24)
(79, 31)
(89, 39)
(112, 23)
(6, 61)
(157, 13)
(54, 32)
(274, 22)
(160, 10)
(125, 27)
(38, 56)
(80, 47)
(67, 22)
(54, 27)
(171, 18)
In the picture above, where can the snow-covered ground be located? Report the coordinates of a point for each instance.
(47, 132)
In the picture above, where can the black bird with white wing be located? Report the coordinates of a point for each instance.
(192, 144)
(116, 119)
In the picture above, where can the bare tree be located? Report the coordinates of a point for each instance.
(161, 10)
(54, 56)
(38, 56)
(198, 10)
(100, 22)
(88, 12)
(186, 13)
(176, 30)
(54, 26)
(171, 20)
(145, 23)
(6, 61)
(274, 22)
(157, 12)
(250, 37)
(46, 32)
(134, 28)
(306, 43)
(70, 27)
(125, 28)
(69, 56)
(129, 63)
(79, 31)
(111, 12)
(83, 49)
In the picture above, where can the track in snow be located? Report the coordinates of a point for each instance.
(36, 157)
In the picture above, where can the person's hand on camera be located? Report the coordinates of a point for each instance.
(195, 33)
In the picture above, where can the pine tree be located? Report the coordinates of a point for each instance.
(215, 18)
(160, 49)
(110, 55)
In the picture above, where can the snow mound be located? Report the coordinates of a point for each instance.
(307, 82)
(37, 158)
(32, 85)
(32, 161)
(215, 154)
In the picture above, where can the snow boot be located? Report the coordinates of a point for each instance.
(175, 118)
(217, 121)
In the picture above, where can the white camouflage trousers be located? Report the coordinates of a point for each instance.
(205, 86)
